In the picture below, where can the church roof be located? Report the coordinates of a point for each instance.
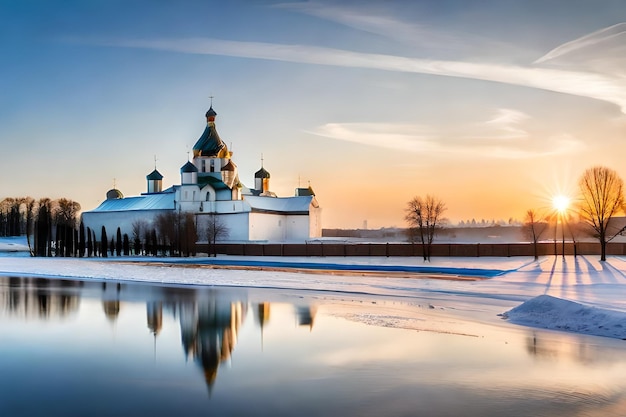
(209, 143)
(215, 183)
(286, 205)
(230, 166)
(154, 175)
(262, 173)
(305, 191)
(211, 112)
(114, 193)
(158, 201)
(188, 167)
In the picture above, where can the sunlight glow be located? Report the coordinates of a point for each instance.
(561, 203)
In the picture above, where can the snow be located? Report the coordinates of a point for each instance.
(554, 313)
(13, 244)
(575, 294)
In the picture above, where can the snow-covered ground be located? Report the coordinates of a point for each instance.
(13, 245)
(585, 295)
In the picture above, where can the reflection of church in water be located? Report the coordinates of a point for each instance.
(209, 322)
(209, 329)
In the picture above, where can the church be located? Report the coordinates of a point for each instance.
(210, 189)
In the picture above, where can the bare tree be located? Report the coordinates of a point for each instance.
(118, 242)
(167, 229)
(424, 216)
(11, 217)
(216, 229)
(601, 197)
(30, 211)
(66, 212)
(139, 230)
(65, 216)
(103, 242)
(534, 227)
(43, 228)
(189, 235)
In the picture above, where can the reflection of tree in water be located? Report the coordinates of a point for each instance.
(39, 298)
(263, 314)
(561, 347)
(262, 317)
(306, 315)
(111, 309)
(540, 349)
(155, 317)
(209, 330)
(111, 300)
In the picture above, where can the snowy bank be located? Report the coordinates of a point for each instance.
(13, 244)
(553, 313)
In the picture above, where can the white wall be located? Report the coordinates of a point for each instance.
(297, 228)
(237, 225)
(189, 178)
(266, 226)
(241, 225)
(279, 227)
(315, 222)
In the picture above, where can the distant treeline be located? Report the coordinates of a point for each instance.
(54, 228)
(49, 225)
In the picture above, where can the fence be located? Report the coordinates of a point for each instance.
(408, 249)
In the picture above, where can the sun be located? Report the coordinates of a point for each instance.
(561, 203)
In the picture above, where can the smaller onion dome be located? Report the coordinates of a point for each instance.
(114, 194)
(154, 175)
(229, 166)
(261, 173)
(210, 113)
(188, 167)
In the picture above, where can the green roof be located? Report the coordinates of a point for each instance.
(154, 175)
(188, 167)
(209, 143)
(262, 173)
(216, 183)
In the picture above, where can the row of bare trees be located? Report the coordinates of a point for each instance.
(49, 225)
(601, 198)
(53, 228)
(175, 234)
(171, 233)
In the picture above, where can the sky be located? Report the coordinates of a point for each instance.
(492, 106)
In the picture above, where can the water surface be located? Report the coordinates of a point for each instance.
(74, 348)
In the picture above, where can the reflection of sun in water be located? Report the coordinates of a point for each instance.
(560, 203)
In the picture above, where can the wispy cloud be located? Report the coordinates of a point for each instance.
(500, 137)
(594, 39)
(376, 18)
(603, 51)
(406, 137)
(506, 123)
(586, 84)
(377, 23)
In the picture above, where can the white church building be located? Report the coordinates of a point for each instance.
(210, 186)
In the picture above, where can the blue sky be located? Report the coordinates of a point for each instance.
(493, 106)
